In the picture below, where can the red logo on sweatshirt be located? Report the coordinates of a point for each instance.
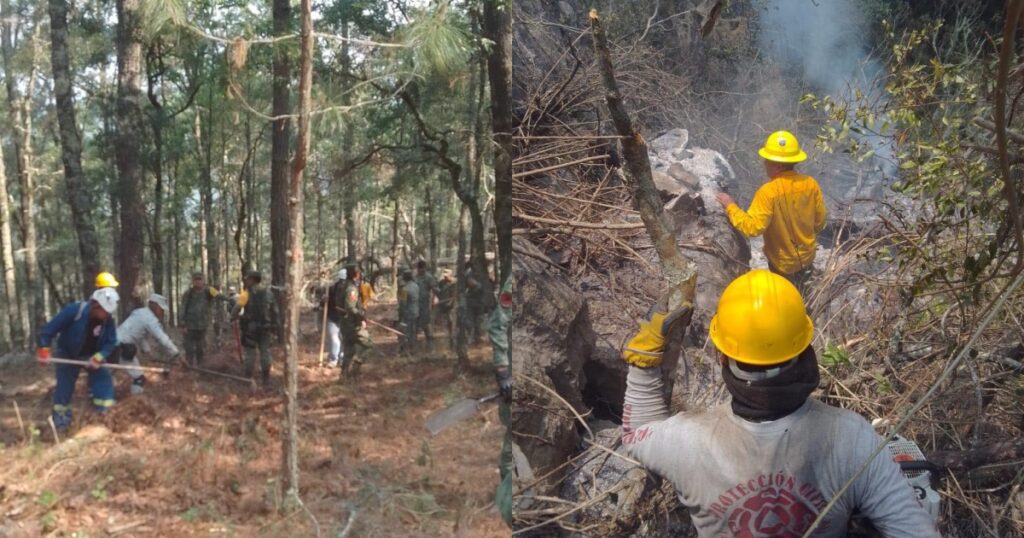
(770, 505)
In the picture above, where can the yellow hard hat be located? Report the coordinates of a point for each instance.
(106, 280)
(782, 147)
(243, 298)
(761, 320)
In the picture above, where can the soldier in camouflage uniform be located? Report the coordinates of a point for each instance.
(446, 304)
(427, 285)
(474, 305)
(498, 330)
(355, 338)
(408, 311)
(259, 320)
(194, 316)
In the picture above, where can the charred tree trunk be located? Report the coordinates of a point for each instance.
(130, 127)
(680, 272)
(279, 231)
(290, 450)
(71, 144)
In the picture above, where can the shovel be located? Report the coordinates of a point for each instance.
(441, 420)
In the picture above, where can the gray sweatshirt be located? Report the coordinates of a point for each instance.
(761, 479)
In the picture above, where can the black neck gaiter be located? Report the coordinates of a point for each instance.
(772, 399)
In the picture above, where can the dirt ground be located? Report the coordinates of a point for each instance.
(200, 456)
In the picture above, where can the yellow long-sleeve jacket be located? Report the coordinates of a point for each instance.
(790, 211)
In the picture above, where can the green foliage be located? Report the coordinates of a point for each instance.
(834, 356)
(938, 82)
(440, 43)
(99, 489)
(191, 515)
(48, 501)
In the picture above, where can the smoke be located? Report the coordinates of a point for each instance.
(825, 41)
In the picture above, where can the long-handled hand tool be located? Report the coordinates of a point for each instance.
(441, 420)
(249, 381)
(83, 364)
(385, 327)
(323, 334)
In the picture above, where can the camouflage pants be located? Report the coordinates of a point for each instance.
(195, 342)
(410, 328)
(425, 323)
(253, 345)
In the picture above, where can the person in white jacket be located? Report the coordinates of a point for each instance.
(769, 463)
(134, 334)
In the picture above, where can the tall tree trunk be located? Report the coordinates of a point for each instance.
(18, 109)
(497, 26)
(279, 222)
(462, 317)
(130, 127)
(394, 248)
(290, 450)
(211, 265)
(21, 120)
(8, 261)
(470, 196)
(71, 144)
(351, 241)
(157, 121)
(432, 230)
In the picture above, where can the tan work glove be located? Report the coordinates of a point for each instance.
(647, 346)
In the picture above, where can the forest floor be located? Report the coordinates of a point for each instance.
(201, 456)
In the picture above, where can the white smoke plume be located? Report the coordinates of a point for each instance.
(826, 41)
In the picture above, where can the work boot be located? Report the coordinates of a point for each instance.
(354, 370)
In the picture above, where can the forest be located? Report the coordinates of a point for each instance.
(643, 132)
(259, 146)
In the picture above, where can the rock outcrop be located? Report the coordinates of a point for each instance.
(552, 339)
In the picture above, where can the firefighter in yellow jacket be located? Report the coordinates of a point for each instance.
(788, 209)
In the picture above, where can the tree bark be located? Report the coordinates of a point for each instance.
(290, 450)
(21, 121)
(680, 272)
(130, 130)
(462, 318)
(497, 26)
(18, 328)
(71, 144)
(10, 291)
(394, 248)
(432, 230)
(279, 185)
(211, 263)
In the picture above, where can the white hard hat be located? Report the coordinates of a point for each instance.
(160, 300)
(107, 298)
(342, 274)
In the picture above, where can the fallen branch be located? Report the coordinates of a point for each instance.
(965, 460)
(578, 224)
(559, 166)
